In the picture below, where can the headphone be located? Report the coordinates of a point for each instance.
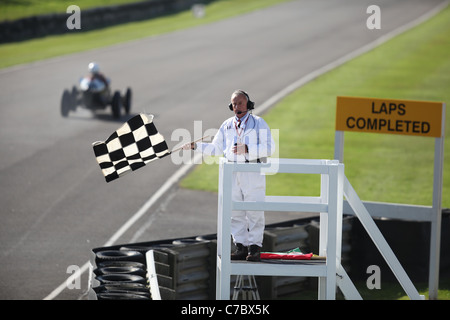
(250, 104)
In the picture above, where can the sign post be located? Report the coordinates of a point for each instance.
(404, 117)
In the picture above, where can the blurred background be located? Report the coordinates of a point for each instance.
(180, 60)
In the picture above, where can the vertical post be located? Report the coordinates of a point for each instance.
(224, 231)
(339, 211)
(334, 234)
(324, 181)
(435, 235)
(339, 146)
(219, 231)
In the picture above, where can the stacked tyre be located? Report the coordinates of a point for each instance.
(120, 275)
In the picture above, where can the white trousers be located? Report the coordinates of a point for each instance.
(247, 227)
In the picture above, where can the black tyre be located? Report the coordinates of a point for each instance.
(66, 103)
(134, 288)
(121, 296)
(121, 270)
(128, 287)
(144, 249)
(74, 98)
(127, 101)
(120, 278)
(187, 241)
(116, 104)
(118, 255)
(121, 264)
(210, 237)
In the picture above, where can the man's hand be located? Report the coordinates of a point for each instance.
(189, 146)
(240, 148)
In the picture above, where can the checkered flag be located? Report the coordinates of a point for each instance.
(133, 145)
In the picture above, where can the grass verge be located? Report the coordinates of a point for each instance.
(381, 167)
(77, 41)
(12, 10)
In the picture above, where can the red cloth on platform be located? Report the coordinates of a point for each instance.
(286, 256)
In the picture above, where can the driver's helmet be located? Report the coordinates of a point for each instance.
(93, 67)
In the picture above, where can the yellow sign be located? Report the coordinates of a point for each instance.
(407, 117)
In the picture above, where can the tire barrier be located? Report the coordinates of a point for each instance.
(410, 241)
(347, 231)
(118, 275)
(281, 238)
(303, 234)
(186, 268)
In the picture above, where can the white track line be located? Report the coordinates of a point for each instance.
(261, 109)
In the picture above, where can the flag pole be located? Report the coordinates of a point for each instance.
(202, 138)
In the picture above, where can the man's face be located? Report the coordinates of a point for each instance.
(239, 103)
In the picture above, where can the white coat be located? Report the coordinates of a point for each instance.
(247, 227)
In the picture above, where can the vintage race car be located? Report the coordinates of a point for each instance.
(95, 95)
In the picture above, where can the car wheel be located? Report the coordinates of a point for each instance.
(66, 103)
(116, 104)
(74, 97)
(127, 101)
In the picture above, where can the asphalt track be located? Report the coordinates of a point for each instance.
(55, 204)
